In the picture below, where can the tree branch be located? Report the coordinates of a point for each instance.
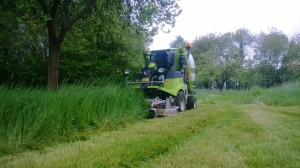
(54, 7)
(43, 5)
(65, 27)
(64, 11)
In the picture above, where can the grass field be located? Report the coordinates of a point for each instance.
(221, 132)
(285, 95)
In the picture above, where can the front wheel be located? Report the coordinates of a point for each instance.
(180, 101)
(191, 102)
(152, 114)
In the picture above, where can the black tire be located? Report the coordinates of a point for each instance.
(153, 114)
(180, 101)
(191, 102)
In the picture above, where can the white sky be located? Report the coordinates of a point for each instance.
(200, 17)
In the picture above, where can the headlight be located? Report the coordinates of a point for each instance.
(161, 77)
(127, 72)
(145, 73)
(161, 70)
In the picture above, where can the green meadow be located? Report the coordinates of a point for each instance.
(252, 128)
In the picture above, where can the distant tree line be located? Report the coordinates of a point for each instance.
(241, 59)
(47, 42)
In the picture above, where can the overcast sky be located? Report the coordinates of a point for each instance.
(200, 17)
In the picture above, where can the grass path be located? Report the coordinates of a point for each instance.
(246, 136)
(209, 136)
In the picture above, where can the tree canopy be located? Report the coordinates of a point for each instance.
(242, 59)
(78, 38)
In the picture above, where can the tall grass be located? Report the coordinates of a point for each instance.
(29, 116)
(284, 95)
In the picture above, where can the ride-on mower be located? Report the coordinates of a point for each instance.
(167, 81)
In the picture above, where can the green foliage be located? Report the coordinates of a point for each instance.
(23, 48)
(152, 15)
(244, 39)
(270, 51)
(206, 69)
(242, 60)
(87, 58)
(291, 61)
(92, 40)
(271, 48)
(179, 41)
(203, 54)
(32, 116)
(218, 59)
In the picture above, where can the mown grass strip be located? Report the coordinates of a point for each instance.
(215, 146)
(129, 147)
(246, 136)
(282, 136)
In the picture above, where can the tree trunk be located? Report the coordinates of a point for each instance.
(53, 66)
(220, 84)
(221, 87)
(54, 53)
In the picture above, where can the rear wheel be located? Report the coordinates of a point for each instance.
(191, 102)
(180, 101)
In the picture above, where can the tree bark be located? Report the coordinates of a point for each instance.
(54, 53)
(53, 67)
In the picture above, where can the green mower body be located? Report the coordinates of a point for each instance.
(167, 80)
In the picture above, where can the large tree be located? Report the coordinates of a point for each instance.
(59, 17)
(203, 53)
(228, 60)
(291, 61)
(244, 39)
(218, 58)
(271, 48)
(269, 52)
